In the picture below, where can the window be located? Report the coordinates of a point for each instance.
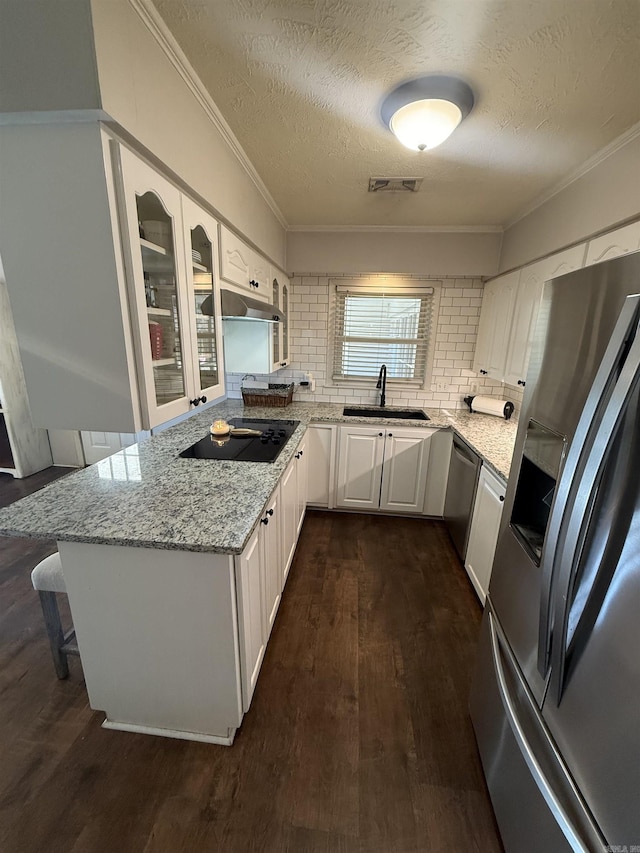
(375, 327)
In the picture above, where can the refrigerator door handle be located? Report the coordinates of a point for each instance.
(563, 504)
(577, 843)
(579, 517)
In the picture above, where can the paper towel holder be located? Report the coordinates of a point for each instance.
(508, 406)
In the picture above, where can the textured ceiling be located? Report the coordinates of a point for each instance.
(300, 83)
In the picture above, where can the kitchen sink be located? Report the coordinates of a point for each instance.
(380, 412)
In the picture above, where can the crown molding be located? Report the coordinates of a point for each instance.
(151, 18)
(599, 157)
(396, 229)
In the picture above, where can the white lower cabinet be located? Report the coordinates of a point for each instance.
(253, 633)
(404, 471)
(289, 505)
(271, 524)
(301, 458)
(263, 566)
(321, 444)
(485, 525)
(383, 468)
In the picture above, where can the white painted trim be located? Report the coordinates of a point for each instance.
(417, 229)
(54, 117)
(151, 730)
(174, 53)
(576, 174)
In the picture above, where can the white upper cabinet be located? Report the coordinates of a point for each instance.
(615, 243)
(525, 310)
(242, 266)
(495, 322)
(509, 313)
(280, 293)
(200, 238)
(178, 346)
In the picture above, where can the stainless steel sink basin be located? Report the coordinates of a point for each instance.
(380, 412)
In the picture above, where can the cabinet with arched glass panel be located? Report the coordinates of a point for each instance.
(176, 313)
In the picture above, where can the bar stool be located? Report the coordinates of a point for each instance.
(48, 579)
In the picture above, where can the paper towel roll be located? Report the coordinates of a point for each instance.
(492, 406)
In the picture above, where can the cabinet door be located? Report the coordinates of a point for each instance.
(200, 233)
(495, 323)
(302, 458)
(527, 303)
(360, 455)
(529, 294)
(242, 266)
(272, 560)
(159, 293)
(235, 259)
(483, 536)
(503, 305)
(280, 297)
(288, 516)
(404, 470)
(259, 279)
(615, 243)
(251, 615)
(321, 442)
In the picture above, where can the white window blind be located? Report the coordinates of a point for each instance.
(374, 328)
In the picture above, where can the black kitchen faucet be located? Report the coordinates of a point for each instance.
(382, 383)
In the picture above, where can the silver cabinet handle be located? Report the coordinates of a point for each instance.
(562, 818)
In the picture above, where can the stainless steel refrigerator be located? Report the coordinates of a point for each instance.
(555, 701)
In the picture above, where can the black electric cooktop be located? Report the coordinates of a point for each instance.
(265, 447)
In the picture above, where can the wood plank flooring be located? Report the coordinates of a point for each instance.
(358, 739)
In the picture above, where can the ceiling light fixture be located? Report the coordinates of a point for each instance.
(424, 112)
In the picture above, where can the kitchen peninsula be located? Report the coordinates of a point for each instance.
(174, 571)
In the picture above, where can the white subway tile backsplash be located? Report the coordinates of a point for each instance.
(454, 332)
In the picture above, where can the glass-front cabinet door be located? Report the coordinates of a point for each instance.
(280, 296)
(200, 230)
(154, 224)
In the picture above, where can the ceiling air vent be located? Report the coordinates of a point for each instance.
(394, 185)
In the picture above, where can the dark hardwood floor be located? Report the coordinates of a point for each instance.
(358, 738)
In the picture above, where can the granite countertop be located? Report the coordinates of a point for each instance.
(147, 496)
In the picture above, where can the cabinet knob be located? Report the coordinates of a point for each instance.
(521, 382)
(501, 498)
(380, 434)
(483, 372)
(195, 402)
(203, 399)
(269, 512)
(302, 453)
(264, 520)
(390, 435)
(283, 364)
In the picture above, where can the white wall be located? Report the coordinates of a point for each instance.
(144, 92)
(47, 60)
(605, 196)
(435, 253)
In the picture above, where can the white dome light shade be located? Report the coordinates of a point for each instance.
(422, 113)
(425, 124)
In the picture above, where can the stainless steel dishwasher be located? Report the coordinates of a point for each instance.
(464, 468)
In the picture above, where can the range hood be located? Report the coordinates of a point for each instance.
(238, 306)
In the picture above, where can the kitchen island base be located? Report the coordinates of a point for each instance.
(158, 637)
